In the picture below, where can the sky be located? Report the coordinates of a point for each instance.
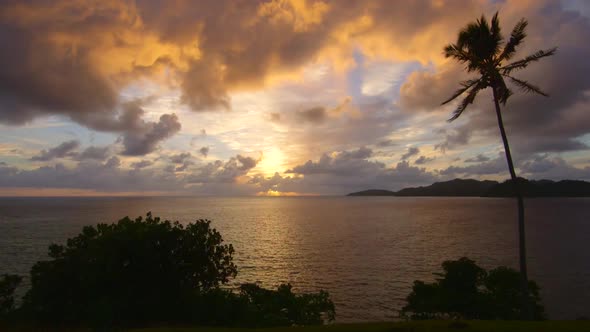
(275, 98)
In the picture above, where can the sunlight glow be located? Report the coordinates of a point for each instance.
(272, 161)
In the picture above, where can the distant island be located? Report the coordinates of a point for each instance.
(486, 188)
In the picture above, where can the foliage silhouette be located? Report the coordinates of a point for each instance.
(8, 284)
(283, 307)
(479, 47)
(140, 272)
(467, 291)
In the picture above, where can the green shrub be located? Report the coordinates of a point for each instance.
(145, 272)
(465, 290)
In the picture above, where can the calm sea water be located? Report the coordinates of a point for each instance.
(366, 251)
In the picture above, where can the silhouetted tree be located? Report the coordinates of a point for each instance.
(479, 46)
(139, 272)
(8, 284)
(283, 307)
(504, 294)
(465, 290)
(142, 270)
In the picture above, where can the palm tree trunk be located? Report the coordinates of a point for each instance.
(527, 312)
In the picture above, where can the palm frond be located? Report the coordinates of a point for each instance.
(516, 37)
(472, 32)
(468, 100)
(454, 51)
(496, 33)
(461, 55)
(521, 64)
(502, 90)
(526, 86)
(465, 85)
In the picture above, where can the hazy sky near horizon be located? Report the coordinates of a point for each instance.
(275, 97)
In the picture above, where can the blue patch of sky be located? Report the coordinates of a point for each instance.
(390, 77)
(48, 132)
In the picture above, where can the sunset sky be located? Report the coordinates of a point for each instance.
(275, 97)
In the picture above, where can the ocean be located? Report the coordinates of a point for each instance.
(365, 251)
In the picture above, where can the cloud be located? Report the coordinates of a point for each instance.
(223, 172)
(385, 143)
(275, 117)
(180, 158)
(477, 159)
(94, 152)
(65, 149)
(194, 139)
(312, 115)
(88, 175)
(491, 167)
(142, 164)
(423, 160)
(204, 151)
(293, 63)
(454, 138)
(74, 58)
(112, 176)
(534, 123)
(346, 171)
(546, 167)
(345, 163)
(412, 151)
(147, 138)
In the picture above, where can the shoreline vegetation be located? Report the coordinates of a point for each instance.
(487, 188)
(152, 272)
(414, 326)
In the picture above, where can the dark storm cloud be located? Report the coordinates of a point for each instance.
(534, 123)
(412, 151)
(65, 149)
(73, 58)
(38, 77)
(146, 139)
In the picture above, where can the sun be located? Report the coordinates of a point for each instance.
(272, 161)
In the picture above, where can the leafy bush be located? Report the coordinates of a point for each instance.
(132, 271)
(467, 291)
(282, 307)
(152, 272)
(8, 284)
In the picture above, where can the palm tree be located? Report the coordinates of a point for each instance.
(479, 47)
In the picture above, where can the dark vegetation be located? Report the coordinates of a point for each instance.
(475, 188)
(467, 291)
(150, 272)
(481, 48)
